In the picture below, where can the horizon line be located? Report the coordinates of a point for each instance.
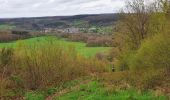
(25, 17)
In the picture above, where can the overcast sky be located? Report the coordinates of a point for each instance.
(34, 8)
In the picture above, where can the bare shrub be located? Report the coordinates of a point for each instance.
(100, 56)
(91, 40)
(113, 54)
(81, 37)
(104, 41)
(51, 63)
(7, 36)
(149, 79)
(44, 63)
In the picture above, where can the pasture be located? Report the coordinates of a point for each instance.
(80, 47)
(6, 27)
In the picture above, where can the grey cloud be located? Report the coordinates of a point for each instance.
(31, 8)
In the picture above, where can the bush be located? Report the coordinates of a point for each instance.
(45, 63)
(149, 66)
(122, 64)
(153, 53)
(100, 56)
(148, 79)
(42, 64)
(113, 54)
(49, 63)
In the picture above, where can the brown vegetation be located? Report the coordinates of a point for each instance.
(7, 36)
(91, 40)
(37, 66)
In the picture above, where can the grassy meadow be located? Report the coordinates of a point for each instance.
(4, 27)
(80, 47)
(95, 91)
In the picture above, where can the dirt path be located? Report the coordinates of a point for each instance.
(67, 90)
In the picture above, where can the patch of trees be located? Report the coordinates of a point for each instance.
(61, 21)
(20, 32)
(7, 36)
(91, 40)
(56, 24)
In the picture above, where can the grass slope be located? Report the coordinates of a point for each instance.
(80, 47)
(95, 91)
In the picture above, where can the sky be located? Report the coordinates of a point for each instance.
(38, 8)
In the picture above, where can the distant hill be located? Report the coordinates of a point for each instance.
(38, 23)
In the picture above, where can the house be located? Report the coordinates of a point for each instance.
(48, 30)
(92, 30)
(72, 30)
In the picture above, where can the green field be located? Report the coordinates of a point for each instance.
(4, 27)
(95, 91)
(80, 47)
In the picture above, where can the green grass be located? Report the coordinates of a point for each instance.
(80, 47)
(4, 27)
(34, 96)
(42, 94)
(95, 91)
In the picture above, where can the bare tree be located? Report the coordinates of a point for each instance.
(164, 6)
(136, 17)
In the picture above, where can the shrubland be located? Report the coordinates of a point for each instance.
(153, 53)
(41, 65)
(143, 45)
